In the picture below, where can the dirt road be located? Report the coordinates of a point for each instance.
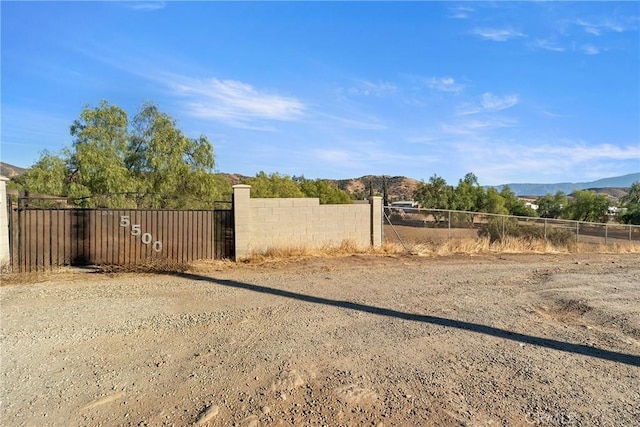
(355, 341)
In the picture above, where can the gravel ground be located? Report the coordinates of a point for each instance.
(354, 341)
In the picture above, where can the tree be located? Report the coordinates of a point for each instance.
(492, 202)
(148, 163)
(514, 205)
(47, 176)
(587, 205)
(435, 194)
(327, 192)
(385, 191)
(273, 185)
(630, 203)
(550, 206)
(169, 167)
(467, 196)
(96, 161)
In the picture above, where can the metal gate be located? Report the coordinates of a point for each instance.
(43, 239)
(224, 234)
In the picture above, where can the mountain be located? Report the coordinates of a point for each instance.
(624, 181)
(9, 171)
(398, 187)
(402, 187)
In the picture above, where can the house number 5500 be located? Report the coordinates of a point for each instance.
(146, 238)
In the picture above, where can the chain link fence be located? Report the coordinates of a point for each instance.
(416, 226)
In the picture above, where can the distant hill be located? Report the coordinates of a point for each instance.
(617, 182)
(10, 171)
(402, 187)
(399, 187)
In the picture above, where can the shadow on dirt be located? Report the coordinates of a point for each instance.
(581, 349)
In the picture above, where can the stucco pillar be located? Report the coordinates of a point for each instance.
(5, 255)
(376, 220)
(242, 219)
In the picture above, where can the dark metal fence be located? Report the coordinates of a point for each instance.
(42, 239)
(224, 247)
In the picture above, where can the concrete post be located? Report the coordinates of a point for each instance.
(5, 255)
(242, 220)
(376, 220)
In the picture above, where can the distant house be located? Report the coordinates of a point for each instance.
(404, 204)
(614, 211)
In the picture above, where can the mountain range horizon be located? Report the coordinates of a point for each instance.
(402, 186)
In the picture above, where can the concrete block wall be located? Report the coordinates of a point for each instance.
(261, 224)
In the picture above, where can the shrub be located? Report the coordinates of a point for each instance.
(497, 229)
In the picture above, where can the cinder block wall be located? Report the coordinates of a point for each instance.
(295, 222)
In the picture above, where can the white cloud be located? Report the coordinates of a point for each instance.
(334, 155)
(579, 152)
(234, 102)
(460, 12)
(445, 84)
(589, 49)
(365, 155)
(146, 5)
(371, 123)
(489, 103)
(597, 29)
(496, 34)
(366, 88)
(500, 162)
(475, 127)
(548, 45)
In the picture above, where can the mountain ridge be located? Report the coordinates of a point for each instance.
(532, 189)
(402, 187)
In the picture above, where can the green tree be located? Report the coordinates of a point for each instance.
(327, 192)
(96, 161)
(47, 176)
(273, 185)
(435, 194)
(148, 163)
(630, 203)
(514, 205)
(587, 205)
(467, 196)
(171, 169)
(551, 206)
(492, 202)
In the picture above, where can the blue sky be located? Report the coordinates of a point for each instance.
(512, 91)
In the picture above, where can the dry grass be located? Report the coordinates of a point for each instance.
(512, 245)
(454, 246)
(346, 248)
(286, 254)
(612, 248)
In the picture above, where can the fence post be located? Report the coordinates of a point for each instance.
(376, 220)
(449, 227)
(242, 219)
(606, 234)
(503, 236)
(545, 229)
(577, 231)
(5, 254)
